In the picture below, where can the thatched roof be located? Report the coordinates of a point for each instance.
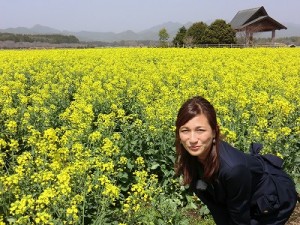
(256, 17)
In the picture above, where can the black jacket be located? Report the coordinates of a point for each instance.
(249, 189)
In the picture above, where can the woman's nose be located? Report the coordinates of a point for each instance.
(193, 138)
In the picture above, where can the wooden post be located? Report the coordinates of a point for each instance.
(251, 39)
(247, 38)
(273, 37)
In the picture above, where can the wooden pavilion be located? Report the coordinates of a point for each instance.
(255, 20)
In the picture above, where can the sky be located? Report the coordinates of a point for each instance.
(136, 15)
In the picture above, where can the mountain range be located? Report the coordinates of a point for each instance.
(147, 34)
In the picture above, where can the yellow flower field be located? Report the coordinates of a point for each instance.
(87, 135)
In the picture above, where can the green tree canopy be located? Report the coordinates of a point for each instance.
(195, 33)
(179, 38)
(219, 32)
(163, 35)
(46, 38)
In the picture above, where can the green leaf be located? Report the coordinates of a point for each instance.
(154, 166)
(11, 220)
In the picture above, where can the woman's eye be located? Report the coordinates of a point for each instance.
(200, 130)
(184, 131)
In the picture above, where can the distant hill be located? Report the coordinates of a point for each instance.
(147, 34)
(37, 29)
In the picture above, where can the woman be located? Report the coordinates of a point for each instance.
(237, 188)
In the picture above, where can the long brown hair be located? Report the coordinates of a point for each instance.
(186, 164)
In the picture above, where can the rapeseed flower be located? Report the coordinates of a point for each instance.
(13, 145)
(11, 126)
(43, 218)
(46, 197)
(19, 207)
(140, 162)
(77, 123)
(108, 148)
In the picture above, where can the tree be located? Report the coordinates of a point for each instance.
(163, 36)
(47, 38)
(196, 32)
(179, 38)
(219, 32)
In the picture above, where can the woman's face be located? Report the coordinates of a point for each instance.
(196, 136)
